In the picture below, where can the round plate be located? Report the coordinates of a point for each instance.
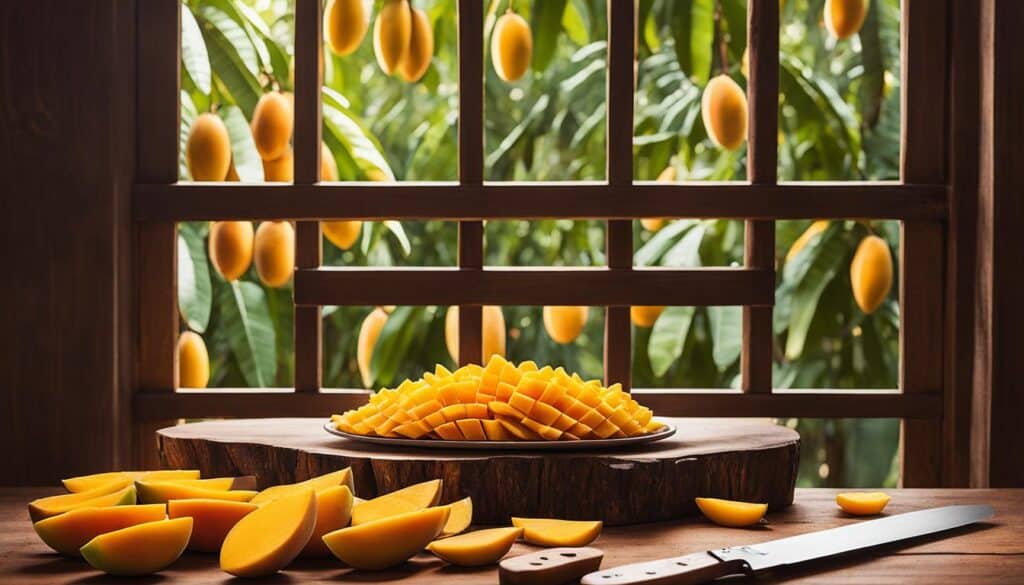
(665, 432)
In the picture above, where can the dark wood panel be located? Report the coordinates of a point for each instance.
(534, 286)
(735, 200)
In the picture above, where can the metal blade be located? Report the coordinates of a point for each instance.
(863, 535)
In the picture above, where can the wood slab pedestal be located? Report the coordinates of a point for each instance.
(737, 459)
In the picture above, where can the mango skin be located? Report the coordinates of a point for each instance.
(141, 549)
(230, 248)
(724, 111)
(644, 316)
(731, 513)
(280, 169)
(67, 533)
(653, 224)
(801, 242)
(843, 18)
(565, 323)
(493, 321)
(511, 47)
(387, 542)
(275, 252)
(392, 32)
(119, 492)
(346, 25)
(208, 149)
(862, 503)
(421, 48)
(342, 233)
(871, 273)
(369, 331)
(272, 123)
(193, 361)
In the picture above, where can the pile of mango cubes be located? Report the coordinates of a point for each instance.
(501, 401)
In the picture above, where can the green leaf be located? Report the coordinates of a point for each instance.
(547, 27)
(188, 115)
(355, 139)
(686, 254)
(726, 334)
(195, 294)
(655, 248)
(693, 28)
(825, 257)
(668, 337)
(403, 329)
(250, 331)
(244, 155)
(232, 57)
(194, 57)
(395, 227)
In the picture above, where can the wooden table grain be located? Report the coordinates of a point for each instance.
(988, 553)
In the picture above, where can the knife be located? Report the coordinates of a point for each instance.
(706, 566)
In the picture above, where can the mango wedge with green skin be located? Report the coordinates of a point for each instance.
(117, 493)
(387, 542)
(87, 482)
(141, 549)
(408, 499)
(268, 539)
(68, 532)
(862, 503)
(460, 518)
(553, 533)
(160, 492)
(731, 513)
(340, 477)
(212, 520)
(477, 548)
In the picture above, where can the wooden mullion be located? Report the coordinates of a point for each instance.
(922, 244)
(471, 165)
(308, 242)
(762, 160)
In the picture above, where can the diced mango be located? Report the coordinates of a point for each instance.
(471, 429)
(117, 493)
(211, 520)
(422, 410)
(501, 409)
(408, 499)
(477, 411)
(731, 513)
(459, 518)
(141, 549)
(159, 492)
(477, 548)
(544, 413)
(517, 429)
(267, 540)
(389, 541)
(521, 402)
(504, 391)
(87, 482)
(547, 433)
(862, 503)
(333, 512)
(551, 532)
(68, 532)
(531, 385)
(320, 482)
(454, 412)
(413, 430)
(449, 431)
(495, 431)
(592, 418)
(582, 431)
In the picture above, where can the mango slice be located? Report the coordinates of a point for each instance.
(267, 540)
(83, 483)
(731, 513)
(862, 503)
(141, 549)
(387, 542)
(160, 492)
(408, 499)
(68, 532)
(551, 532)
(333, 512)
(460, 518)
(117, 493)
(245, 482)
(320, 482)
(212, 520)
(480, 547)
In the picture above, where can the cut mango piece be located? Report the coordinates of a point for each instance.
(141, 549)
(449, 431)
(460, 518)
(517, 429)
(551, 532)
(862, 503)
(547, 433)
(543, 413)
(454, 412)
(477, 548)
(471, 429)
(408, 499)
(320, 482)
(113, 494)
(87, 482)
(521, 402)
(212, 520)
(160, 492)
(413, 430)
(245, 482)
(495, 431)
(502, 409)
(731, 513)
(387, 542)
(67, 533)
(333, 512)
(267, 540)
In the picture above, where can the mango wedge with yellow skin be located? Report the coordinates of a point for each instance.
(862, 503)
(408, 499)
(477, 548)
(551, 532)
(387, 542)
(340, 477)
(333, 512)
(117, 493)
(460, 518)
(212, 520)
(160, 492)
(83, 483)
(141, 549)
(268, 539)
(731, 513)
(68, 532)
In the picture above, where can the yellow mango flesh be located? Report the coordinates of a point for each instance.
(141, 549)
(68, 532)
(551, 532)
(346, 25)
(230, 248)
(408, 499)
(724, 110)
(268, 539)
(333, 512)
(477, 548)
(421, 48)
(389, 541)
(731, 513)
(320, 482)
(392, 32)
(274, 252)
(843, 18)
(493, 334)
(208, 149)
(862, 503)
(193, 361)
(871, 273)
(459, 518)
(159, 492)
(565, 323)
(272, 122)
(212, 520)
(511, 46)
(116, 493)
(88, 482)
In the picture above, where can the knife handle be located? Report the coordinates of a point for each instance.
(685, 570)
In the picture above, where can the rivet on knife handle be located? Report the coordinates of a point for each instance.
(551, 566)
(685, 570)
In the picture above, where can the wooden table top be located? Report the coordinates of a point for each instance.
(988, 553)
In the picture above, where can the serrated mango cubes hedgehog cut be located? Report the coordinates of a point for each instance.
(500, 402)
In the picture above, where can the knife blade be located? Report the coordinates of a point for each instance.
(706, 566)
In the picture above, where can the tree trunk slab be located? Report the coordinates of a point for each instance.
(744, 460)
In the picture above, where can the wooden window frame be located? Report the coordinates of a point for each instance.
(920, 200)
